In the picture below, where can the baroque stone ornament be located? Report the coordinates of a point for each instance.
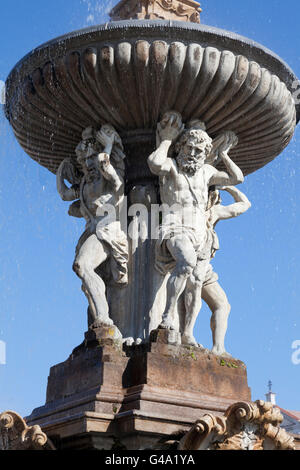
(16, 435)
(245, 426)
(182, 10)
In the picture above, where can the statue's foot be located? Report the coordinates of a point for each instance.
(166, 324)
(189, 340)
(132, 342)
(221, 352)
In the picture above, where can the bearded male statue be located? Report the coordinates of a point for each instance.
(185, 179)
(98, 189)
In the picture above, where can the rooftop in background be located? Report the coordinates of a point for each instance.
(292, 414)
(291, 421)
(180, 10)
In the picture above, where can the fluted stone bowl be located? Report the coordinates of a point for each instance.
(129, 73)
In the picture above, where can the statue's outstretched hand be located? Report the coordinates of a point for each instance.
(104, 159)
(106, 136)
(170, 127)
(69, 171)
(230, 140)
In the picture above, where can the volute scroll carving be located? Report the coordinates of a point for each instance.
(16, 435)
(245, 426)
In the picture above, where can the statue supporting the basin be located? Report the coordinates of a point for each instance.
(185, 179)
(184, 161)
(212, 293)
(100, 189)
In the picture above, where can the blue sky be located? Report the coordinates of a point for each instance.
(42, 308)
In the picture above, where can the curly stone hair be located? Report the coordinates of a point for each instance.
(198, 135)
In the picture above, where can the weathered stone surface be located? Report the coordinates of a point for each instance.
(165, 336)
(106, 394)
(88, 368)
(103, 335)
(182, 10)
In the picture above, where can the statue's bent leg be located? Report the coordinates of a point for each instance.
(92, 254)
(184, 253)
(193, 302)
(216, 299)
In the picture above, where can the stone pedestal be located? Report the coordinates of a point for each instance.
(106, 395)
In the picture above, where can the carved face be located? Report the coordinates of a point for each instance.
(88, 152)
(194, 149)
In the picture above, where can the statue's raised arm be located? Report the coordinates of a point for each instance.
(234, 175)
(108, 137)
(239, 207)
(168, 130)
(68, 171)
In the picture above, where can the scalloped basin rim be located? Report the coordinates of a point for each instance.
(128, 73)
(171, 29)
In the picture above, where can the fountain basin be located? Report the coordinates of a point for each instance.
(129, 73)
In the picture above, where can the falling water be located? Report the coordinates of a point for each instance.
(96, 10)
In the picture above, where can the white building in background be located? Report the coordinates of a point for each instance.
(291, 421)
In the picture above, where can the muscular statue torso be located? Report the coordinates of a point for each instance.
(189, 192)
(97, 194)
(181, 188)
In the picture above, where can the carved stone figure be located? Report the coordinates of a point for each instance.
(98, 190)
(180, 10)
(184, 179)
(212, 292)
(245, 426)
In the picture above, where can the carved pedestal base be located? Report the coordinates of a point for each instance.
(106, 395)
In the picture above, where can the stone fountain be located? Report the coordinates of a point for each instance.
(131, 95)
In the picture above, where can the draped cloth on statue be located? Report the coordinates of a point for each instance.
(116, 239)
(164, 261)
